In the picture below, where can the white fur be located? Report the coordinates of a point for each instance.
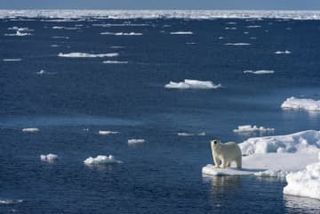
(224, 154)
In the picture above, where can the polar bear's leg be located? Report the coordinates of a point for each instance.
(223, 163)
(239, 162)
(216, 162)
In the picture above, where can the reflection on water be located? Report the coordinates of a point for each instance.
(222, 183)
(301, 204)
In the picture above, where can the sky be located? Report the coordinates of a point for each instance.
(163, 4)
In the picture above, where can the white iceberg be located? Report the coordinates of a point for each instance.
(101, 159)
(192, 84)
(86, 55)
(188, 134)
(237, 44)
(30, 129)
(282, 52)
(136, 141)
(50, 158)
(301, 104)
(122, 34)
(115, 62)
(304, 183)
(274, 155)
(258, 72)
(103, 132)
(181, 33)
(11, 60)
(252, 128)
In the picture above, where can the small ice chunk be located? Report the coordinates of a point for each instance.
(237, 44)
(192, 84)
(301, 104)
(10, 201)
(188, 134)
(136, 141)
(101, 159)
(50, 158)
(30, 129)
(258, 72)
(12, 60)
(102, 132)
(122, 34)
(282, 52)
(86, 55)
(252, 128)
(181, 33)
(114, 62)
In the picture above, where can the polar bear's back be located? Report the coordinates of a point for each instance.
(231, 147)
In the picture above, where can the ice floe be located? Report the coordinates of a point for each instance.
(252, 128)
(86, 55)
(304, 183)
(192, 84)
(104, 132)
(122, 33)
(30, 129)
(115, 62)
(12, 60)
(274, 156)
(64, 28)
(181, 33)
(100, 160)
(190, 134)
(253, 26)
(230, 28)
(76, 15)
(258, 72)
(237, 44)
(301, 104)
(136, 141)
(10, 201)
(282, 52)
(18, 33)
(50, 158)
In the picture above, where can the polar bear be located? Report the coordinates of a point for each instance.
(225, 153)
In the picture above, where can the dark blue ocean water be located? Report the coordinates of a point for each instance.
(76, 97)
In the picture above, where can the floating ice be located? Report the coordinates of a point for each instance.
(10, 201)
(301, 104)
(136, 141)
(188, 134)
(101, 159)
(181, 33)
(60, 37)
(65, 28)
(102, 132)
(114, 62)
(20, 28)
(258, 72)
(30, 129)
(192, 84)
(252, 128)
(274, 155)
(230, 28)
(237, 44)
(86, 55)
(304, 183)
(254, 26)
(78, 15)
(120, 25)
(18, 33)
(122, 34)
(50, 158)
(12, 60)
(282, 52)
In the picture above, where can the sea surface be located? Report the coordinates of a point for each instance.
(69, 99)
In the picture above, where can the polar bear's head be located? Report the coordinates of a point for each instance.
(215, 143)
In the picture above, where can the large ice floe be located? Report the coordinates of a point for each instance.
(304, 183)
(192, 84)
(252, 128)
(100, 160)
(86, 55)
(50, 158)
(66, 15)
(274, 155)
(258, 72)
(293, 103)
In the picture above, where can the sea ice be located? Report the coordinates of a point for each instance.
(18, 33)
(274, 155)
(30, 129)
(86, 55)
(11, 60)
(136, 141)
(188, 134)
(252, 128)
(122, 34)
(192, 84)
(282, 52)
(237, 44)
(102, 132)
(101, 159)
(10, 201)
(301, 104)
(114, 62)
(258, 72)
(50, 158)
(304, 183)
(181, 33)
